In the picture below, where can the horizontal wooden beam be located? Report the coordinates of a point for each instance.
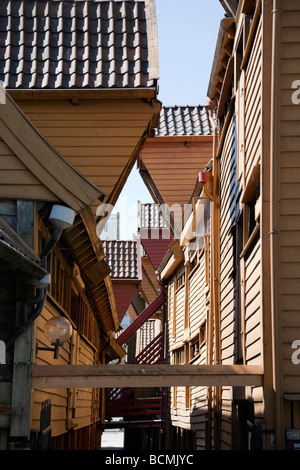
(137, 375)
(113, 93)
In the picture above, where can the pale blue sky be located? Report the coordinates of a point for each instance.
(187, 35)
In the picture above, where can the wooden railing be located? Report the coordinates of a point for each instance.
(136, 410)
(120, 401)
(152, 353)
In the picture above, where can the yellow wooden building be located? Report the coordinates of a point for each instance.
(74, 124)
(80, 82)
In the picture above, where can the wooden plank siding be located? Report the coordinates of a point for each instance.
(287, 212)
(240, 278)
(188, 405)
(98, 137)
(253, 106)
(14, 173)
(59, 397)
(167, 158)
(149, 285)
(289, 189)
(70, 408)
(33, 169)
(229, 191)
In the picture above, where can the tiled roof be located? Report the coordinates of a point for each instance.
(151, 217)
(50, 44)
(184, 120)
(122, 258)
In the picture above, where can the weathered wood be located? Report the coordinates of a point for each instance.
(102, 376)
(21, 395)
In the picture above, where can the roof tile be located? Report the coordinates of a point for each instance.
(184, 120)
(151, 217)
(73, 43)
(122, 258)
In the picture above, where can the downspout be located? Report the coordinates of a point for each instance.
(215, 277)
(277, 380)
(39, 299)
(213, 401)
(164, 341)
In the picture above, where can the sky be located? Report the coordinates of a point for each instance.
(187, 36)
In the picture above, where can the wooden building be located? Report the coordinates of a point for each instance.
(124, 259)
(184, 135)
(253, 82)
(78, 108)
(136, 285)
(184, 146)
(79, 288)
(246, 273)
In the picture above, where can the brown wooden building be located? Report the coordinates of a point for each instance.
(140, 294)
(35, 247)
(252, 81)
(231, 273)
(183, 147)
(246, 275)
(81, 84)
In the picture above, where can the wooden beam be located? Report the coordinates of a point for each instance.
(137, 375)
(140, 320)
(86, 94)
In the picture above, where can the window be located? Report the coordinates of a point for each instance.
(180, 280)
(64, 292)
(251, 209)
(182, 356)
(193, 262)
(187, 296)
(202, 334)
(174, 307)
(60, 279)
(178, 358)
(187, 389)
(195, 347)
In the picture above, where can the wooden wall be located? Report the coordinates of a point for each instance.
(19, 216)
(70, 408)
(229, 330)
(98, 137)
(287, 208)
(149, 284)
(17, 181)
(288, 174)
(166, 159)
(188, 303)
(78, 409)
(240, 249)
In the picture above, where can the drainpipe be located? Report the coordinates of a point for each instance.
(215, 314)
(276, 318)
(39, 299)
